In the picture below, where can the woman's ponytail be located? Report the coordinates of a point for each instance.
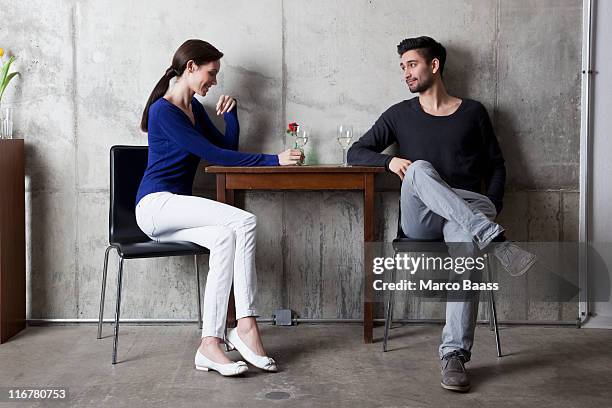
(160, 89)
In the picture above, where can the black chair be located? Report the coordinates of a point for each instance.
(127, 167)
(434, 246)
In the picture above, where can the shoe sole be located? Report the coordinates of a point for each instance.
(458, 388)
(202, 368)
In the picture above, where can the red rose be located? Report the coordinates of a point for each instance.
(292, 127)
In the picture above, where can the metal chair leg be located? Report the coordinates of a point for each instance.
(195, 259)
(493, 312)
(388, 313)
(386, 332)
(388, 320)
(489, 276)
(103, 293)
(118, 309)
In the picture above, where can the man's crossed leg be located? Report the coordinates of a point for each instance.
(431, 209)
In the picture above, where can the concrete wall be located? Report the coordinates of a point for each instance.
(87, 68)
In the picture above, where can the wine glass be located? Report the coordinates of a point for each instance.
(301, 138)
(345, 135)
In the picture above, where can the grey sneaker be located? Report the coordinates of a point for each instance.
(514, 259)
(454, 377)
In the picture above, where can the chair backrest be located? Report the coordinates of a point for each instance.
(127, 167)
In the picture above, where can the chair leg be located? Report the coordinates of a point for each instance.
(388, 319)
(493, 312)
(388, 313)
(103, 293)
(490, 278)
(118, 309)
(197, 269)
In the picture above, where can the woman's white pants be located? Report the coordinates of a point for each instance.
(228, 232)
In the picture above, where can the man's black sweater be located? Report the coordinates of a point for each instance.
(462, 146)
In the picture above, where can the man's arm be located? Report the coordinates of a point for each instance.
(367, 150)
(495, 170)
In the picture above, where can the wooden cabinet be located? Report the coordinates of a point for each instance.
(12, 238)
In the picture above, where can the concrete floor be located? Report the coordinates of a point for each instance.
(321, 365)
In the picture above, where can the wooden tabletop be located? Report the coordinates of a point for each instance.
(319, 168)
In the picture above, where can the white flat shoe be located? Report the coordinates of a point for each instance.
(264, 362)
(226, 370)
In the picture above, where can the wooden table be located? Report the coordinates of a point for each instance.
(319, 177)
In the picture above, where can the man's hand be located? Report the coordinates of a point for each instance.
(226, 103)
(399, 166)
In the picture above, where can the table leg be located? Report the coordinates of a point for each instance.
(368, 236)
(221, 188)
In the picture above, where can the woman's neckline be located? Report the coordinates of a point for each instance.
(183, 112)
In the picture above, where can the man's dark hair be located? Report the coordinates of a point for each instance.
(427, 47)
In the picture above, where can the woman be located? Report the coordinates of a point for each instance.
(180, 134)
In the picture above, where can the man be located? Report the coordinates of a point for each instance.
(446, 149)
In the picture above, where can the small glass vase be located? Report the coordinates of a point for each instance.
(6, 122)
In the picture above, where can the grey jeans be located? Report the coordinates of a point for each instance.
(431, 209)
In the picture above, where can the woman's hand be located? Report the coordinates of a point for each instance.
(226, 103)
(289, 157)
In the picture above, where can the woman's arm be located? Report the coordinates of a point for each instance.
(173, 124)
(232, 127)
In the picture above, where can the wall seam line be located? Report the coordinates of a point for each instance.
(496, 51)
(73, 24)
(284, 256)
